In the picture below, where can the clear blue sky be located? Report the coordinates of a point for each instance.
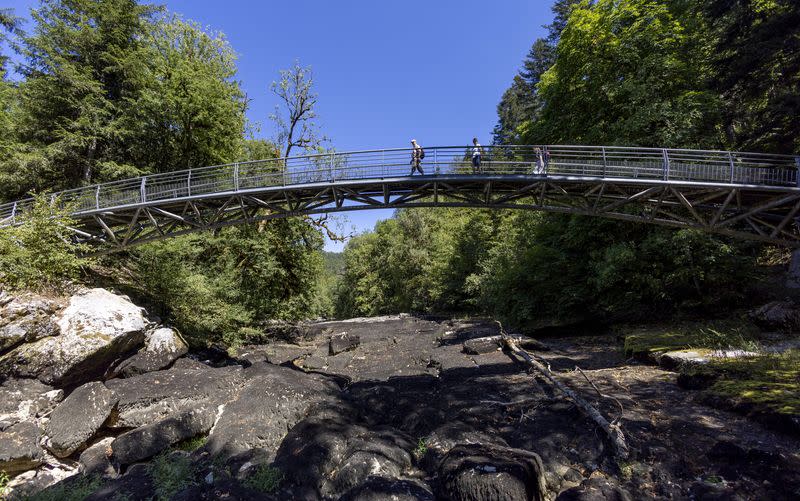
(384, 71)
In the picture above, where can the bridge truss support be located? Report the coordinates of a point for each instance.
(753, 212)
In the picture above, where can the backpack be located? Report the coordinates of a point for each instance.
(421, 153)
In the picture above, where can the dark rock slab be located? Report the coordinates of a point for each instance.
(25, 399)
(487, 473)
(150, 397)
(96, 459)
(595, 489)
(340, 343)
(149, 440)
(273, 399)
(75, 421)
(137, 483)
(19, 448)
(777, 315)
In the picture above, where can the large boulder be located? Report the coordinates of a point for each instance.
(272, 400)
(777, 315)
(162, 347)
(78, 418)
(26, 318)
(145, 399)
(485, 473)
(97, 327)
(24, 400)
(19, 448)
(597, 489)
(342, 342)
(149, 440)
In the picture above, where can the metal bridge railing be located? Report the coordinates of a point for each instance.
(677, 165)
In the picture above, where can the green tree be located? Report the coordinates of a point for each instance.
(190, 112)
(80, 70)
(757, 71)
(629, 72)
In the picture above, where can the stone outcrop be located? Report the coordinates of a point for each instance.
(75, 421)
(96, 328)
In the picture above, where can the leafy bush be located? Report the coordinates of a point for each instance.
(266, 479)
(3, 484)
(171, 474)
(37, 254)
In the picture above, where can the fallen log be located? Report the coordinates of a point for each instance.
(481, 345)
(612, 430)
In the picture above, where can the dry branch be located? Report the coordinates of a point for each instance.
(612, 430)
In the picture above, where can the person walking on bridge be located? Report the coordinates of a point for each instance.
(417, 154)
(477, 153)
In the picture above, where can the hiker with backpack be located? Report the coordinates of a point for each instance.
(417, 154)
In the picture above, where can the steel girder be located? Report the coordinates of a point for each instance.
(751, 212)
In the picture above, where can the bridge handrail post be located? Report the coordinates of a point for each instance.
(435, 162)
(236, 176)
(143, 190)
(97, 197)
(605, 162)
(14, 213)
(330, 169)
(797, 172)
(189, 183)
(383, 164)
(666, 164)
(730, 160)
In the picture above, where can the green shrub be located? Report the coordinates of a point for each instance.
(37, 253)
(3, 484)
(171, 474)
(265, 479)
(76, 488)
(191, 444)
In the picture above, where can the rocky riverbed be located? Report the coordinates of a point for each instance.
(98, 401)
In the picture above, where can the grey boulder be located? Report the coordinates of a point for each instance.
(96, 328)
(162, 347)
(342, 342)
(75, 421)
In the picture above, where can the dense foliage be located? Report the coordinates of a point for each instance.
(36, 254)
(676, 73)
(119, 88)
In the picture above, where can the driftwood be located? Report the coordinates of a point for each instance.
(612, 430)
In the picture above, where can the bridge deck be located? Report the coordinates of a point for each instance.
(747, 195)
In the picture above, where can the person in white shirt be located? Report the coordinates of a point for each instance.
(477, 153)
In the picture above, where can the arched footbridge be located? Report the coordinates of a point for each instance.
(746, 195)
